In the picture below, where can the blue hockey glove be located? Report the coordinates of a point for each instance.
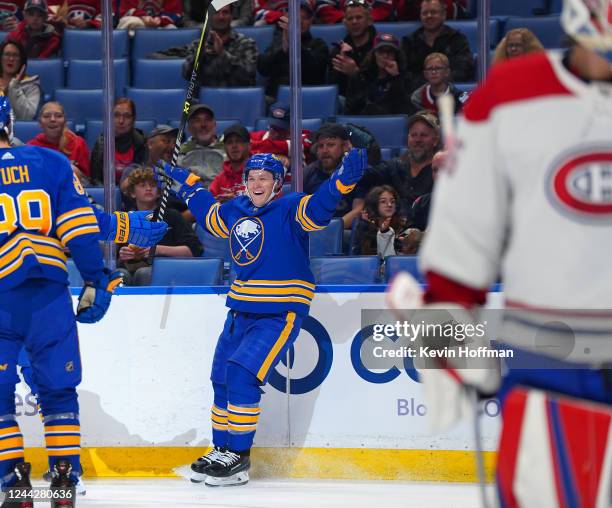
(182, 182)
(352, 168)
(95, 297)
(135, 228)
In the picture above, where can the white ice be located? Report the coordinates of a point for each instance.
(179, 493)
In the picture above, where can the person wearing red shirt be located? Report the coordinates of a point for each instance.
(229, 183)
(39, 38)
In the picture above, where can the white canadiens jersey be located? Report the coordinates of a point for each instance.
(528, 197)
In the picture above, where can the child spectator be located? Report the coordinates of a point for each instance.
(24, 92)
(517, 42)
(39, 38)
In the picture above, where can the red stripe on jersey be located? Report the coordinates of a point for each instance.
(516, 80)
(443, 289)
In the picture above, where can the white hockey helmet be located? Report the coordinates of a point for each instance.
(589, 23)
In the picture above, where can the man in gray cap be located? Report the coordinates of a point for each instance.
(202, 153)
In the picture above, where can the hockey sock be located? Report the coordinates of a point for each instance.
(11, 449)
(63, 440)
(218, 415)
(243, 410)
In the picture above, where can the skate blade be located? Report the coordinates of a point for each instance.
(197, 477)
(230, 481)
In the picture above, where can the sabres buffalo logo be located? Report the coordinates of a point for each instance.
(246, 240)
(580, 184)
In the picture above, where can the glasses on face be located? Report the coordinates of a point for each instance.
(434, 70)
(11, 55)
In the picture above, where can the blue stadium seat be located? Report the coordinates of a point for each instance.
(213, 247)
(466, 87)
(345, 269)
(81, 105)
(469, 28)
(262, 35)
(161, 105)
(51, 72)
(87, 75)
(317, 101)
(328, 241)
(398, 28)
(74, 276)
(311, 124)
(221, 124)
(329, 33)
(87, 44)
(97, 193)
(546, 28)
(396, 264)
(555, 6)
(158, 73)
(28, 129)
(386, 153)
(517, 7)
(245, 103)
(93, 129)
(389, 130)
(187, 271)
(148, 41)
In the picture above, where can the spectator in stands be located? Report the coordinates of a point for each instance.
(57, 136)
(348, 55)
(135, 14)
(242, 13)
(275, 140)
(435, 37)
(332, 142)
(268, 12)
(517, 42)
(419, 216)
(274, 63)
(203, 153)
(9, 14)
(39, 38)
(130, 143)
(380, 88)
(409, 10)
(24, 92)
(180, 240)
(228, 184)
(334, 11)
(411, 174)
(77, 14)
(437, 73)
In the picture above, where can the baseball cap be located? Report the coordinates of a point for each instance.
(162, 129)
(332, 130)
(237, 130)
(38, 5)
(357, 3)
(280, 115)
(389, 40)
(200, 107)
(424, 116)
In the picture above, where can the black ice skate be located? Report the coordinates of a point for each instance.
(231, 469)
(19, 495)
(63, 489)
(81, 490)
(201, 465)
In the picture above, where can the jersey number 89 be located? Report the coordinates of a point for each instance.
(30, 210)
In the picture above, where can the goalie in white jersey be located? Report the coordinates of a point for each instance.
(527, 197)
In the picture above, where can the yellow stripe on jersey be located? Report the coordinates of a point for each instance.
(72, 214)
(71, 227)
(47, 251)
(303, 220)
(269, 299)
(280, 283)
(278, 345)
(272, 291)
(214, 222)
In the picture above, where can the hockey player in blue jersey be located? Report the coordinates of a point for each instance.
(270, 296)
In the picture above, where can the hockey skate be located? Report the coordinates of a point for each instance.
(14, 496)
(201, 465)
(81, 490)
(62, 486)
(231, 469)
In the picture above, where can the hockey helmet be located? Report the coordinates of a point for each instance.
(267, 162)
(589, 22)
(6, 117)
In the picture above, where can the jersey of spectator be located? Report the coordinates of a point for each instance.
(450, 42)
(10, 11)
(227, 181)
(332, 11)
(169, 12)
(268, 12)
(42, 44)
(423, 99)
(76, 149)
(129, 149)
(78, 13)
(408, 10)
(358, 53)
(260, 143)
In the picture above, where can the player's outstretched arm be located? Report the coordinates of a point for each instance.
(130, 227)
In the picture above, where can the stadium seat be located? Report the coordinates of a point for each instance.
(555, 6)
(158, 73)
(213, 247)
(469, 28)
(87, 44)
(93, 128)
(262, 35)
(311, 124)
(161, 105)
(345, 269)
(389, 130)
(97, 193)
(546, 28)
(517, 7)
(317, 101)
(221, 125)
(245, 103)
(148, 41)
(466, 87)
(25, 130)
(396, 264)
(87, 75)
(386, 153)
(329, 33)
(74, 276)
(81, 105)
(51, 72)
(187, 271)
(399, 29)
(328, 241)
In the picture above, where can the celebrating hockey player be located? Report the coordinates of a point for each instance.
(268, 300)
(528, 198)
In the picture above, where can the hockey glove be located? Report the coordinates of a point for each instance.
(353, 166)
(135, 228)
(182, 182)
(95, 297)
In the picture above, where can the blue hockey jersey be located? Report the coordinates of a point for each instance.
(269, 246)
(43, 210)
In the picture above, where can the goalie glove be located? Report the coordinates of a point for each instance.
(95, 297)
(181, 181)
(135, 228)
(352, 168)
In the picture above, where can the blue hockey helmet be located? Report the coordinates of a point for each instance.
(6, 117)
(267, 162)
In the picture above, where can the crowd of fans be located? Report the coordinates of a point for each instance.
(376, 74)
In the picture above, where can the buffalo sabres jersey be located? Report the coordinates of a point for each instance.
(269, 246)
(43, 211)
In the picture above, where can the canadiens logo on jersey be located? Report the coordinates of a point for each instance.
(246, 240)
(580, 184)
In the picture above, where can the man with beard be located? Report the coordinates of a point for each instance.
(229, 183)
(410, 174)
